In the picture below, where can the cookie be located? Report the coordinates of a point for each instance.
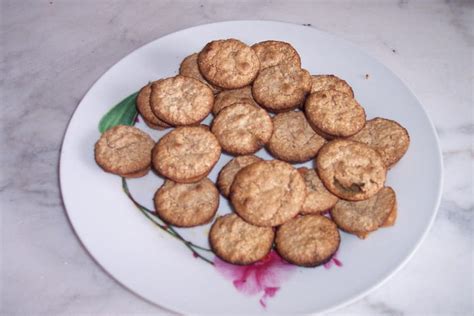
(238, 242)
(281, 88)
(227, 174)
(144, 108)
(387, 137)
(229, 64)
(229, 97)
(308, 241)
(318, 199)
(189, 68)
(125, 151)
(330, 82)
(352, 171)
(362, 217)
(186, 154)
(187, 204)
(334, 113)
(181, 100)
(273, 53)
(268, 193)
(242, 128)
(293, 139)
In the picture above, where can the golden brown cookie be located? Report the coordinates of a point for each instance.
(181, 100)
(229, 97)
(387, 137)
(293, 139)
(229, 64)
(352, 171)
(334, 113)
(330, 82)
(189, 68)
(238, 242)
(186, 154)
(318, 199)
(268, 193)
(144, 108)
(273, 53)
(281, 88)
(242, 128)
(125, 151)
(187, 204)
(362, 217)
(308, 241)
(227, 174)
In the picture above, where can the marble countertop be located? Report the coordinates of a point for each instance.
(53, 51)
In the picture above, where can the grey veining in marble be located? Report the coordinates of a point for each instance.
(52, 51)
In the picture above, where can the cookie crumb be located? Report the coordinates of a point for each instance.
(306, 24)
(366, 76)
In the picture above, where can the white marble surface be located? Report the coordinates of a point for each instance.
(52, 52)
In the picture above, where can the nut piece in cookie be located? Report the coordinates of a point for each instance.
(268, 193)
(352, 171)
(281, 88)
(318, 199)
(227, 174)
(242, 128)
(238, 242)
(229, 97)
(362, 217)
(330, 82)
(387, 137)
(273, 53)
(308, 241)
(125, 151)
(186, 154)
(187, 204)
(229, 64)
(144, 108)
(181, 100)
(293, 139)
(189, 68)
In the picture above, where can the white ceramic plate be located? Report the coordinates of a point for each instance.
(162, 270)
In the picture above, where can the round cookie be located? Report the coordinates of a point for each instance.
(308, 241)
(273, 53)
(281, 88)
(242, 128)
(387, 137)
(125, 151)
(181, 100)
(229, 97)
(330, 82)
(227, 174)
(189, 68)
(352, 171)
(238, 242)
(334, 113)
(229, 64)
(362, 217)
(186, 154)
(268, 193)
(293, 139)
(187, 204)
(318, 199)
(144, 108)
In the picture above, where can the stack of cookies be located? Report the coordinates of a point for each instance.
(261, 97)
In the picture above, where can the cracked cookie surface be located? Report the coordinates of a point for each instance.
(227, 174)
(229, 97)
(189, 68)
(330, 82)
(318, 199)
(272, 53)
(144, 108)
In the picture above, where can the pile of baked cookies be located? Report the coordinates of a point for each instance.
(276, 205)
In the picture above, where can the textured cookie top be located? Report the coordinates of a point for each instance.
(227, 174)
(308, 240)
(335, 113)
(318, 198)
(273, 53)
(186, 154)
(268, 193)
(238, 242)
(189, 68)
(187, 204)
(229, 97)
(242, 128)
(124, 150)
(181, 100)
(330, 82)
(350, 170)
(293, 139)
(387, 137)
(144, 108)
(229, 63)
(281, 88)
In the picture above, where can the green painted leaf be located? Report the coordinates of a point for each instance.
(124, 113)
